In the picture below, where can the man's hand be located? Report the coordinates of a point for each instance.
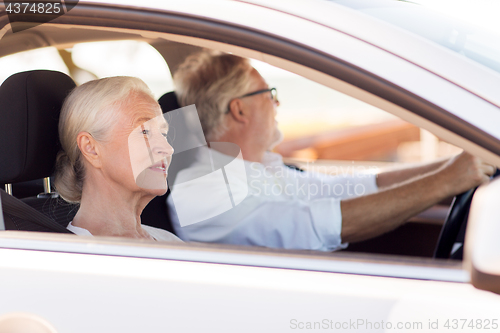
(372, 215)
(464, 172)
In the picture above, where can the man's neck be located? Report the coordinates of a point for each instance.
(249, 152)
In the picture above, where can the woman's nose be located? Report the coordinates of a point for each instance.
(163, 148)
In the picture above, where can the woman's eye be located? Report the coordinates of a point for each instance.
(145, 132)
(165, 135)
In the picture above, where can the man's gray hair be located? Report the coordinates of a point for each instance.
(211, 81)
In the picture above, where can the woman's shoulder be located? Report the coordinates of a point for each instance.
(77, 230)
(160, 234)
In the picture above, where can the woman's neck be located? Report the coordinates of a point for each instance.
(108, 210)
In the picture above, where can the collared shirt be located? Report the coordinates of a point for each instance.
(281, 207)
(156, 233)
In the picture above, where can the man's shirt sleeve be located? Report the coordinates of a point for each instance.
(290, 220)
(257, 221)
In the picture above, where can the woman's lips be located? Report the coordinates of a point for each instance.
(159, 167)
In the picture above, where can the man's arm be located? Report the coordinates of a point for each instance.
(391, 177)
(372, 215)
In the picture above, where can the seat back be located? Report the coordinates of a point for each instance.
(54, 207)
(29, 142)
(29, 113)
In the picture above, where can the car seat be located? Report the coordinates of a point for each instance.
(29, 117)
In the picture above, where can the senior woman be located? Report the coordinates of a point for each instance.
(114, 157)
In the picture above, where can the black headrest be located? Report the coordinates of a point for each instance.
(168, 102)
(30, 103)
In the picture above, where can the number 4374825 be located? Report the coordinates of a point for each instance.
(479, 324)
(34, 8)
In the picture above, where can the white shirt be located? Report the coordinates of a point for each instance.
(283, 208)
(157, 234)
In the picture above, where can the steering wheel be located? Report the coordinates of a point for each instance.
(454, 226)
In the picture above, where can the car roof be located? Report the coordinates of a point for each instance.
(390, 38)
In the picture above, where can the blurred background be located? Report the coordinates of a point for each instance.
(318, 123)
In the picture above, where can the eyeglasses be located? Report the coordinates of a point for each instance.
(273, 91)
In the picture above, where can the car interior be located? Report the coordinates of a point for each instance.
(30, 155)
(28, 129)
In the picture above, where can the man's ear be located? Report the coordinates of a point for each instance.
(88, 146)
(238, 111)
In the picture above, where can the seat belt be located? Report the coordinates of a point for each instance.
(15, 207)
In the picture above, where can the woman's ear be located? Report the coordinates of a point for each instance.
(88, 146)
(238, 111)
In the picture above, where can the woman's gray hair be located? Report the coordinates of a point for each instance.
(91, 107)
(211, 81)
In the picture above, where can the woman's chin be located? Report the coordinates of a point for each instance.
(156, 192)
(153, 182)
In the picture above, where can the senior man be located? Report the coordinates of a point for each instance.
(236, 105)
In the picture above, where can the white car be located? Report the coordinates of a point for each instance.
(400, 57)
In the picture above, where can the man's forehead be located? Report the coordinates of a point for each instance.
(257, 79)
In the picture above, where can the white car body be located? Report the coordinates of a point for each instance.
(120, 285)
